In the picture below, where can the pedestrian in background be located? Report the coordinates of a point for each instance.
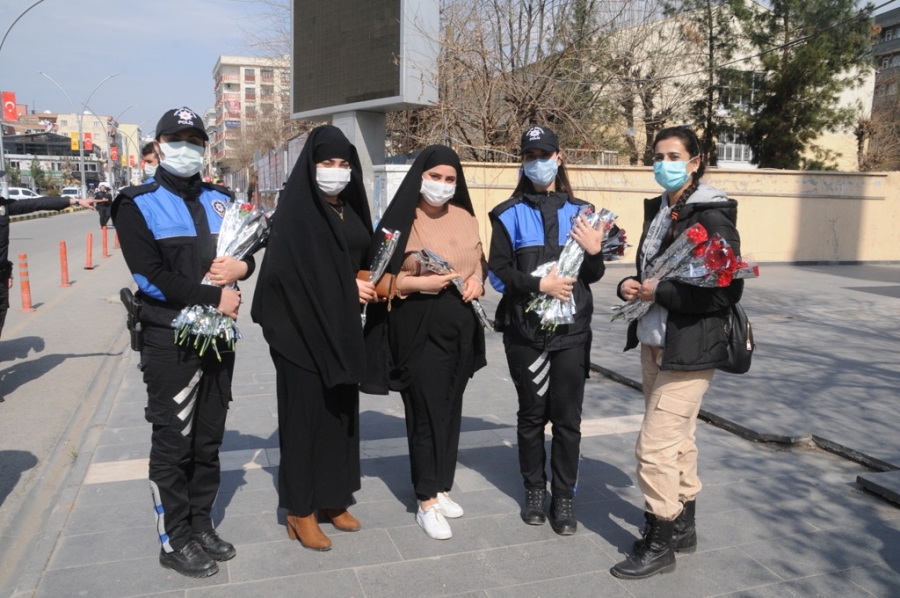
(436, 340)
(103, 200)
(167, 230)
(151, 161)
(548, 367)
(307, 301)
(682, 340)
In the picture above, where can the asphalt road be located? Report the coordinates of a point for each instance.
(55, 363)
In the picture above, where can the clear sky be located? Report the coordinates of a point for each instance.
(163, 50)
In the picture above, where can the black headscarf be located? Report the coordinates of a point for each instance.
(394, 340)
(402, 210)
(306, 297)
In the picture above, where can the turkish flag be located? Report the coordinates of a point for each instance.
(114, 153)
(9, 106)
(88, 142)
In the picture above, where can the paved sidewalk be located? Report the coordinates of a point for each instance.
(773, 520)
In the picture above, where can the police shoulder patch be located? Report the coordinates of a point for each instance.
(219, 206)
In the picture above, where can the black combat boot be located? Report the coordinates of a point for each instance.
(562, 516)
(685, 529)
(685, 537)
(532, 511)
(215, 546)
(191, 560)
(655, 555)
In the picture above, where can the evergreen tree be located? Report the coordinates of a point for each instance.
(38, 175)
(812, 50)
(711, 27)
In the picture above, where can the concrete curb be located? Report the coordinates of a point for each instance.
(45, 214)
(889, 490)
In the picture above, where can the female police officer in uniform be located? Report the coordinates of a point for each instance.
(167, 230)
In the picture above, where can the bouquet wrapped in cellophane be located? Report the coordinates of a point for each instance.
(389, 240)
(695, 259)
(434, 263)
(553, 311)
(244, 230)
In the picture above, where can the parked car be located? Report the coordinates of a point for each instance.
(70, 192)
(21, 193)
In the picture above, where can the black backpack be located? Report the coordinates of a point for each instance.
(739, 336)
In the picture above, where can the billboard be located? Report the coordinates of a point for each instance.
(373, 55)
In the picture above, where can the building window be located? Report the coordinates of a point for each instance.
(250, 94)
(249, 75)
(733, 147)
(738, 89)
(888, 35)
(885, 62)
(64, 123)
(895, 60)
(267, 74)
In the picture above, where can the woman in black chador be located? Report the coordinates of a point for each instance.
(307, 301)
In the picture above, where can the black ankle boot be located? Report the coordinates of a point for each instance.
(685, 537)
(562, 516)
(215, 546)
(532, 511)
(655, 555)
(191, 561)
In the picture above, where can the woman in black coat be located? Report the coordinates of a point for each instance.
(307, 301)
(682, 340)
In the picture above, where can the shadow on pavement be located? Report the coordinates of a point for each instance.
(19, 348)
(12, 465)
(22, 373)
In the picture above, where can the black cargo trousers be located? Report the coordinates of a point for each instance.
(187, 401)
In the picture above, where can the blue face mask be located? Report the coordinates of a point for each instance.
(671, 176)
(541, 172)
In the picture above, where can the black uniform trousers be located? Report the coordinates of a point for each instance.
(187, 401)
(4, 301)
(433, 400)
(318, 434)
(550, 385)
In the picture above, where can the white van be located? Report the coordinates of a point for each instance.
(70, 192)
(21, 193)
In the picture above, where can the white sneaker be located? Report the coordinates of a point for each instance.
(432, 521)
(450, 508)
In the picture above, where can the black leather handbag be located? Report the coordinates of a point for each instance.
(739, 335)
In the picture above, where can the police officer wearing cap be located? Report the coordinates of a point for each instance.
(548, 368)
(11, 207)
(167, 231)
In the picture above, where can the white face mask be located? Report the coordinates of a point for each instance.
(149, 170)
(182, 158)
(437, 194)
(332, 181)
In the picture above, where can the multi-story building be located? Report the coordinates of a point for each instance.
(887, 59)
(247, 89)
(103, 133)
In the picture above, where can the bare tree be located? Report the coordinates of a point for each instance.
(878, 137)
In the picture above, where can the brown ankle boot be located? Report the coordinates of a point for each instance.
(341, 519)
(306, 529)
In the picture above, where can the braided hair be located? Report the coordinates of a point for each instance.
(692, 145)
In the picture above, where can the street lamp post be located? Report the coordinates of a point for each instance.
(80, 116)
(4, 186)
(111, 179)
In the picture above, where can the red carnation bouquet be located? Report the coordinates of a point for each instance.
(695, 259)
